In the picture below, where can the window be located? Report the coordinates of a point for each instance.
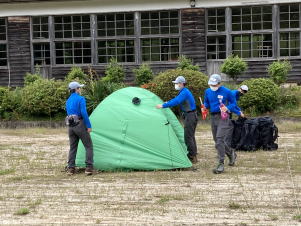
(252, 45)
(41, 53)
(112, 29)
(3, 55)
(40, 27)
(3, 44)
(2, 29)
(122, 50)
(241, 45)
(290, 44)
(216, 20)
(160, 36)
(165, 22)
(73, 52)
(252, 18)
(216, 47)
(160, 49)
(120, 24)
(289, 16)
(72, 26)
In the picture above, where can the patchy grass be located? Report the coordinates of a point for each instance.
(297, 218)
(22, 211)
(257, 191)
(234, 206)
(7, 171)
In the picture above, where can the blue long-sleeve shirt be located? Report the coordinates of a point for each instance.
(185, 99)
(212, 101)
(76, 105)
(236, 94)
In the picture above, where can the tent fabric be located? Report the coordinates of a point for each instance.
(131, 134)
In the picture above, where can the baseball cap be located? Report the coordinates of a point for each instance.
(245, 88)
(179, 79)
(214, 79)
(75, 85)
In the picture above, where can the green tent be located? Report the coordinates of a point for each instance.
(129, 135)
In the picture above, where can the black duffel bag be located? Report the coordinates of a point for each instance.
(254, 134)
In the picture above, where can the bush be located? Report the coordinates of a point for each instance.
(114, 72)
(186, 64)
(30, 78)
(233, 66)
(11, 104)
(143, 74)
(263, 96)
(290, 97)
(76, 74)
(279, 70)
(97, 90)
(197, 82)
(44, 97)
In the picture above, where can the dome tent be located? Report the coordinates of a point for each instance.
(129, 133)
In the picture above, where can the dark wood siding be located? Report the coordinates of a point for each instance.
(194, 36)
(257, 69)
(4, 78)
(19, 48)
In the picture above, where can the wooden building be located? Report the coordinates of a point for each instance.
(57, 34)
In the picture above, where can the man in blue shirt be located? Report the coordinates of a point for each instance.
(220, 99)
(240, 91)
(79, 128)
(187, 104)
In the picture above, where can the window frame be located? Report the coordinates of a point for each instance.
(289, 30)
(116, 38)
(5, 42)
(170, 36)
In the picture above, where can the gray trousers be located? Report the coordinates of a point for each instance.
(76, 133)
(190, 123)
(222, 131)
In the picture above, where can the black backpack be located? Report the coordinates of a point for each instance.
(253, 134)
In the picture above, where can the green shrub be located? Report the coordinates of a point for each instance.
(290, 97)
(114, 72)
(233, 66)
(97, 90)
(44, 97)
(76, 74)
(186, 64)
(263, 96)
(30, 78)
(11, 104)
(143, 74)
(279, 70)
(162, 84)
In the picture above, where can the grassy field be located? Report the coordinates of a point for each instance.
(263, 189)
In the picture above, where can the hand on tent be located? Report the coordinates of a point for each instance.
(89, 130)
(159, 106)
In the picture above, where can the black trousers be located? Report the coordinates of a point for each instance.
(77, 133)
(190, 123)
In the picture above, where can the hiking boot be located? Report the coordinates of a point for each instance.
(89, 170)
(232, 159)
(70, 171)
(219, 169)
(193, 159)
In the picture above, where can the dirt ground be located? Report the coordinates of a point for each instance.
(264, 188)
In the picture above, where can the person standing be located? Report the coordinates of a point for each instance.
(240, 91)
(221, 102)
(79, 128)
(187, 104)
